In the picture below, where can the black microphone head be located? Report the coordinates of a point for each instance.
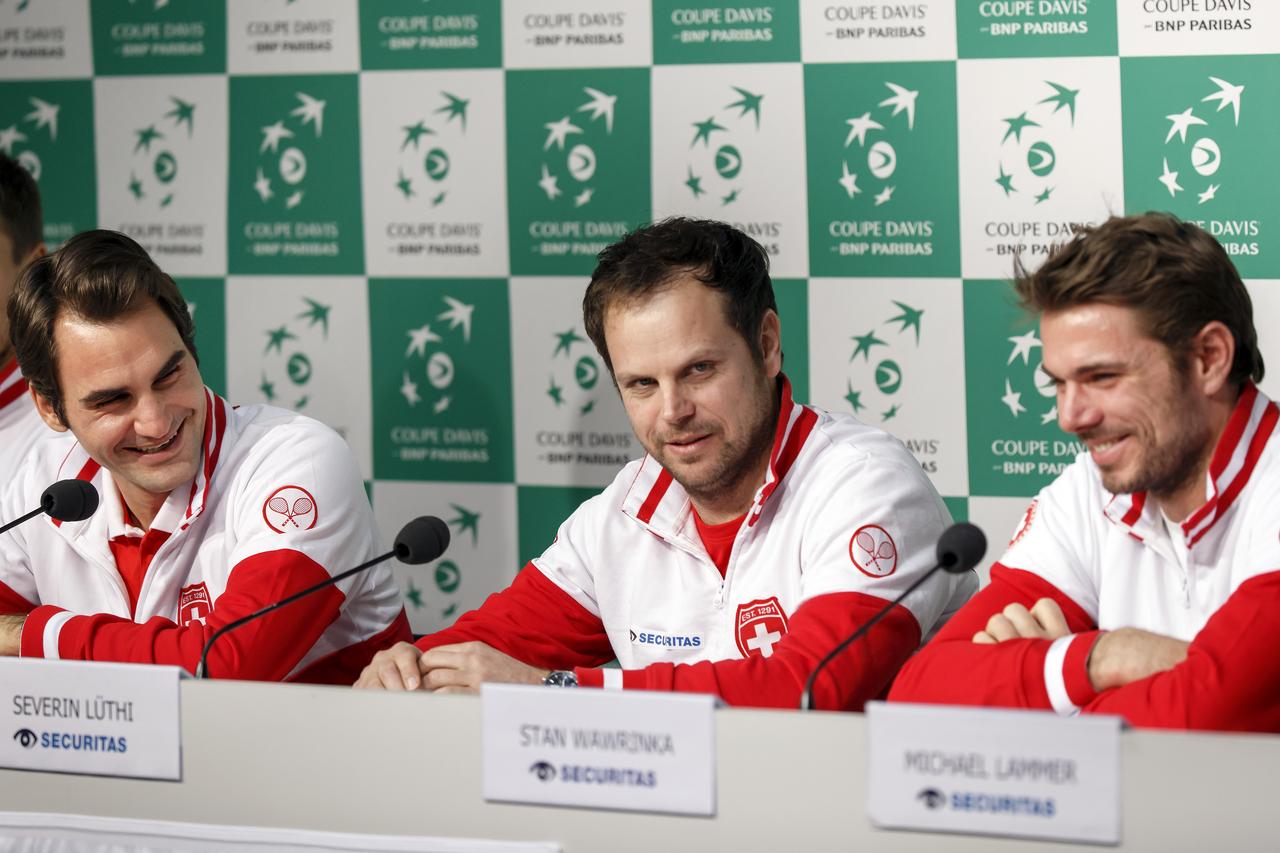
(70, 500)
(422, 540)
(960, 547)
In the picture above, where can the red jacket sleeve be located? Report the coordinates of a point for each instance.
(534, 621)
(1230, 679)
(537, 622)
(265, 649)
(954, 670)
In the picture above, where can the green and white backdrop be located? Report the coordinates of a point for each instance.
(383, 214)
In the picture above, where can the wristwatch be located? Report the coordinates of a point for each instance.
(560, 678)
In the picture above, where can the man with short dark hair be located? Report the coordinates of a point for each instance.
(1145, 580)
(21, 241)
(755, 535)
(207, 513)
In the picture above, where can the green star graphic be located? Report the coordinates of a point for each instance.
(1005, 181)
(414, 595)
(135, 186)
(268, 389)
(405, 185)
(555, 392)
(909, 318)
(865, 343)
(889, 415)
(456, 108)
(277, 337)
(730, 198)
(1064, 98)
(854, 398)
(145, 136)
(694, 184)
(749, 103)
(1016, 126)
(1044, 196)
(316, 313)
(705, 129)
(413, 132)
(466, 520)
(565, 341)
(181, 113)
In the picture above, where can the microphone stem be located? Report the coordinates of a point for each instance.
(202, 669)
(27, 517)
(806, 697)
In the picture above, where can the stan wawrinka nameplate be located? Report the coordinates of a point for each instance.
(105, 719)
(994, 772)
(631, 750)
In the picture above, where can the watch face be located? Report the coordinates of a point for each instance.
(561, 678)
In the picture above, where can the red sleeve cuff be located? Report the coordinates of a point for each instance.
(1075, 669)
(33, 630)
(589, 676)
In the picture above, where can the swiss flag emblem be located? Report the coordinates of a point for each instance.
(194, 604)
(761, 625)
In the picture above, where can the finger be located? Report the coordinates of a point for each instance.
(1023, 622)
(456, 689)
(440, 677)
(446, 657)
(388, 674)
(1049, 614)
(406, 661)
(984, 638)
(1001, 628)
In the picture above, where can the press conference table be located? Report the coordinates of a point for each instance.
(402, 764)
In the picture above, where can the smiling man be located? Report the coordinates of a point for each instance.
(1145, 580)
(755, 535)
(207, 512)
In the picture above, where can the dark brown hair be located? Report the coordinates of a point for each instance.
(1174, 274)
(98, 276)
(649, 259)
(20, 216)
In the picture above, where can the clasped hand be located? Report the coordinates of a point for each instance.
(456, 668)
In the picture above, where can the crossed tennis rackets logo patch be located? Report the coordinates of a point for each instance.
(873, 551)
(290, 508)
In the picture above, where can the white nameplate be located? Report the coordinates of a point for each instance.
(105, 719)
(632, 750)
(994, 772)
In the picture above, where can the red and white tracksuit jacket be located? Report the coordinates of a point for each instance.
(20, 425)
(278, 505)
(1110, 562)
(844, 521)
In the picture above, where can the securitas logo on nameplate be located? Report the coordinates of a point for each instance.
(104, 719)
(994, 772)
(636, 751)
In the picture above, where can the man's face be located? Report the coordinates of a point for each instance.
(134, 399)
(9, 269)
(1145, 425)
(697, 399)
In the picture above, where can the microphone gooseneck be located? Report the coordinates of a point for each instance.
(65, 500)
(420, 541)
(960, 548)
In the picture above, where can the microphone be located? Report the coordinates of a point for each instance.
(65, 500)
(960, 547)
(420, 541)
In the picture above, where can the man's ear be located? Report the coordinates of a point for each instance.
(47, 413)
(771, 342)
(1212, 356)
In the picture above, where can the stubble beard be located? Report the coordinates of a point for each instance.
(736, 463)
